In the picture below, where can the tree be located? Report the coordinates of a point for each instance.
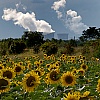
(32, 39)
(91, 33)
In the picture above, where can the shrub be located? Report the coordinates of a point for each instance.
(49, 48)
(69, 49)
(16, 47)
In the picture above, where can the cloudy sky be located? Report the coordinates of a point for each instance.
(59, 16)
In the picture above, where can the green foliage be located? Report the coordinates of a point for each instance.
(3, 48)
(16, 47)
(49, 48)
(32, 38)
(91, 33)
(73, 42)
(97, 53)
(69, 49)
(85, 50)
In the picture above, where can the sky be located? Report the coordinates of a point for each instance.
(71, 17)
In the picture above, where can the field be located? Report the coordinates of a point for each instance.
(42, 77)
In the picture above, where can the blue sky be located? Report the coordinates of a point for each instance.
(59, 16)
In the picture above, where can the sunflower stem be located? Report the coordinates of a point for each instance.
(25, 95)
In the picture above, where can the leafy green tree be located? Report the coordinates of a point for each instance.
(32, 38)
(91, 33)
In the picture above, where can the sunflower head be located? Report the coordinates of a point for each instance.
(39, 71)
(72, 96)
(4, 85)
(31, 81)
(68, 79)
(81, 71)
(18, 69)
(98, 86)
(1, 66)
(84, 66)
(9, 73)
(52, 77)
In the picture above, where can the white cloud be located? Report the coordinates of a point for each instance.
(74, 22)
(27, 21)
(57, 5)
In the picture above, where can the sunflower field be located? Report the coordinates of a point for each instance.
(49, 78)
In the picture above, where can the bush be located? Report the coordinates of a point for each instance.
(69, 49)
(97, 53)
(3, 48)
(85, 50)
(17, 47)
(49, 48)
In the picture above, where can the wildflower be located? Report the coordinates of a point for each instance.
(30, 81)
(68, 79)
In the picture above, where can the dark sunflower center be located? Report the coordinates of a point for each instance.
(30, 81)
(72, 99)
(18, 69)
(37, 64)
(82, 72)
(84, 66)
(3, 84)
(69, 79)
(0, 67)
(40, 61)
(54, 76)
(48, 65)
(38, 72)
(7, 74)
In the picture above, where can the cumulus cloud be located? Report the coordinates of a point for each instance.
(74, 22)
(27, 21)
(57, 5)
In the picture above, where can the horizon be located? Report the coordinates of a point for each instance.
(60, 16)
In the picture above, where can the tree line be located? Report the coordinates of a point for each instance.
(35, 40)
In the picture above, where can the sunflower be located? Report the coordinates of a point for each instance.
(74, 71)
(30, 81)
(81, 71)
(84, 66)
(98, 86)
(41, 61)
(81, 61)
(37, 63)
(29, 66)
(39, 71)
(52, 57)
(68, 79)
(8, 72)
(18, 69)
(85, 96)
(45, 56)
(4, 85)
(1, 66)
(47, 65)
(72, 96)
(48, 58)
(58, 63)
(20, 63)
(52, 77)
(53, 66)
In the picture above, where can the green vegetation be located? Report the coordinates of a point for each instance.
(35, 69)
